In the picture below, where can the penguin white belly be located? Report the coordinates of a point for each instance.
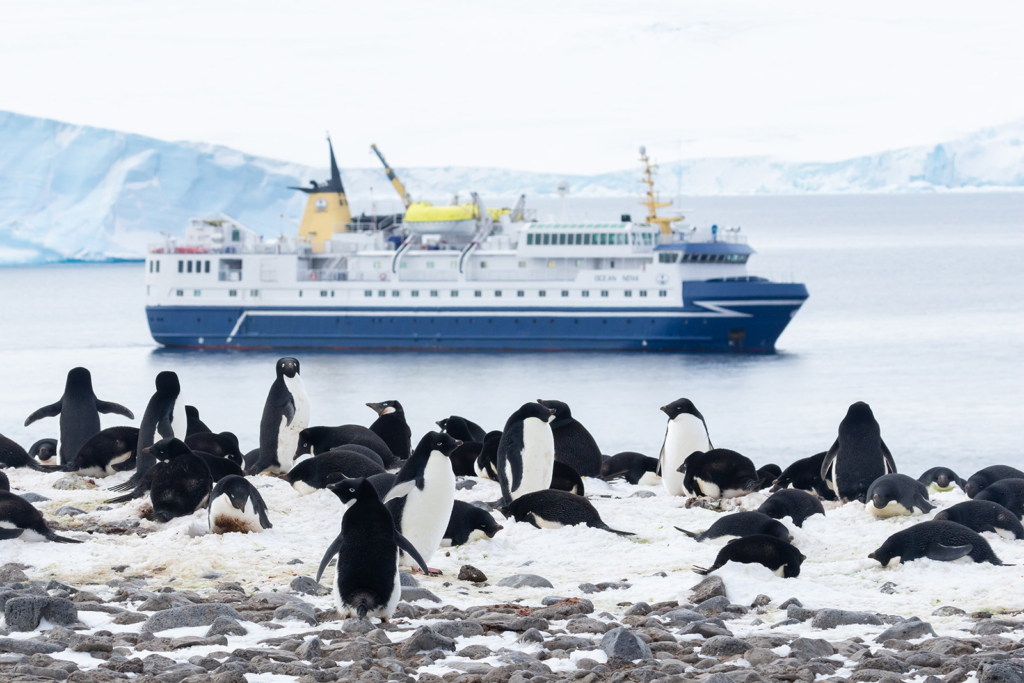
(117, 461)
(481, 471)
(26, 534)
(709, 489)
(894, 562)
(1005, 534)
(781, 572)
(891, 509)
(53, 460)
(935, 488)
(538, 457)
(226, 518)
(426, 513)
(94, 471)
(480, 534)
(288, 434)
(686, 434)
(649, 479)
(546, 523)
(179, 421)
(305, 489)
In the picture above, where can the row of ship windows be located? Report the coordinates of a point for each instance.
(434, 292)
(673, 257)
(183, 266)
(591, 239)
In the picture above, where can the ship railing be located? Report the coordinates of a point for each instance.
(322, 275)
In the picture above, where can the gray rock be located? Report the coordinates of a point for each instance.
(639, 609)
(794, 611)
(994, 627)
(551, 600)
(307, 586)
(622, 644)
(25, 613)
(710, 587)
(808, 648)
(83, 643)
(1011, 671)
(470, 573)
(759, 656)
(643, 494)
(461, 628)
(715, 605)
(525, 581)
(225, 626)
(425, 640)
(12, 573)
(465, 485)
(678, 617)
(33, 497)
(531, 635)
(719, 678)
(407, 579)
(706, 628)
(357, 625)
(948, 611)
(311, 649)
(190, 615)
(301, 611)
(41, 672)
(28, 647)
(588, 588)
(761, 600)
(830, 618)
(414, 594)
(888, 588)
(908, 630)
(786, 622)
(930, 660)
(724, 646)
(69, 511)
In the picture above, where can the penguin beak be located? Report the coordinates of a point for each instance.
(147, 449)
(790, 540)
(664, 409)
(872, 556)
(376, 407)
(439, 423)
(498, 528)
(457, 443)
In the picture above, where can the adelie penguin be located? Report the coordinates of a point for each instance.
(781, 557)
(236, 506)
(5, 483)
(164, 419)
(462, 429)
(636, 468)
(1007, 492)
(941, 479)
(285, 415)
(79, 411)
(392, 428)
(13, 455)
(109, 452)
(317, 440)
(526, 452)
(553, 509)
(181, 481)
(574, 445)
(194, 425)
(223, 445)
(423, 496)
(942, 541)
(796, 504)
(858, 456)
(805, 475)
(740, 524)
(719, 473)
(469, 523)
(685, 435)
(486, 465)
(768, 475)
(44, 452)
(987, 476)
(367, 582)
(565, 478)
(897, 494)
(983, 515)
(314, 473)
(19, 519)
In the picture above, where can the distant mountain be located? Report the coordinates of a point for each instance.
(76, 192)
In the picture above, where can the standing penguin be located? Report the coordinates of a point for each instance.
(164, 419)
(79, 411)
(236, 506)
(526, 452)
(573, 443)
(392, 428)
(285, 414)
(685, 435)
(367, 583)
(423, 496)
(858, 456)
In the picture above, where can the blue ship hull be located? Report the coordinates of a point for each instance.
(715, 316)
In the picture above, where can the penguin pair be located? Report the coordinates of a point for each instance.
(285, 415)
(79, 411)
(987, 476)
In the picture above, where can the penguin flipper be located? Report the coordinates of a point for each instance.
(410, 550)
(332, 551)
(50, 536)
(261, 509)
(52, 410)
(108, 407)
(164, 427)
(829, 461)
(605, 527)
(400, 490)
(947, 553)
(6, 534)
(688, 533)
(890, 464)
(703, 571)
(922, 502)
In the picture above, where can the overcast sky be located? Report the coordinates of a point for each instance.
(547, 86)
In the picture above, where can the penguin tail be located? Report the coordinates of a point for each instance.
(39, 467)
(126, 485)
(50, 536)
(688, 533)
(605, 527)
(363, 602)
(122, 499)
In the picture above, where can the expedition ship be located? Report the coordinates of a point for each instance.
(463, 277)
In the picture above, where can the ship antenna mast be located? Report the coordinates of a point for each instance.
(651, 199)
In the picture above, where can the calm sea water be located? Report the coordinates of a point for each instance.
(916, 307)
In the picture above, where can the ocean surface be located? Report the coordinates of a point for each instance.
(916, 306)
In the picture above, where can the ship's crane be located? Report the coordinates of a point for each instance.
(399, 187)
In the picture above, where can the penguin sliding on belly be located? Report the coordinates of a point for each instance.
(285, 415)
(423, 496)
(741, 524)
(367, 582)
(19, 519)
(780, 556)
(858, 456)
(236, 506)
(685, 435)
(897, 494)
(526, 452)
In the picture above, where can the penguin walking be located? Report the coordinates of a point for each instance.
(13, 455)
(392, 428)
(574, 445)
(423, 496)
(164, 418)
(685, 435)
(526, 452)
(109, 452)
(285, 414)
(19, 519)
(858, 456)
(236, 506)
(79, 411)
(367, 582)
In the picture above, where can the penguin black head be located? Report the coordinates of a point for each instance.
(237, 490)
(884, 554)
(386, 407)
(443, 424)
(167, 383)
(287, 367)
(166, 449)
(861, 412)
(78, 378)
(879, 501)
(536, 410)
(683, 406)
(348, 490)
(485, 523)
(435, 441)
(561, 409)
(44, 449)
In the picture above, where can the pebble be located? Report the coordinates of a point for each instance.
(69, 511)
(470, 573)
(25, 613)
(410, 594)
(710, 587)
(830, 618)
(525, 581)
(192, 615)
(308, 586)
(620, 643)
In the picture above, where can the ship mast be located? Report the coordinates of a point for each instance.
(651, 200)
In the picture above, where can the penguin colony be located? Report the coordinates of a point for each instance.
(399, 500)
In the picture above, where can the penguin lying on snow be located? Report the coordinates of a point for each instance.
(109, 452)
(781, 557)
(636, 468)
(13, 455)
(312, 474)
(1007, 492)
(941, 479)
(805, 475)
(742, 524)
(45, 452)
(462, 429)
(552, 509)
(987, 476)
(526, 452)
(943, 541)
(79, 411)
(685, 435)
(392, 428)
(768, 474)
(469, 523)
(19, 519)
(181, 481)
(236, 506)
(367, 583)
(163, 415)
(317, 440)
(574, 445)
(719, 473)
(223, 445)
(793, 503)
(858, 456)
(983, 515)
(897, 494)
(565, 478)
